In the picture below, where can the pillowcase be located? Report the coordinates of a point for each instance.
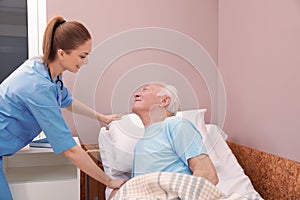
(197, 118)
(232, 178)
(106, 154)
(117, 143)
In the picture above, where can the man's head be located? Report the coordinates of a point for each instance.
(156, 97)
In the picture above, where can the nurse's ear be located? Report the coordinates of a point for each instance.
(60, 54)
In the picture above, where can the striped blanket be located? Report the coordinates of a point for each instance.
(173, 186)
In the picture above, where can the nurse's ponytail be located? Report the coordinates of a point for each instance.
(65, 35)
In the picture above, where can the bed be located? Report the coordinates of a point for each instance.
(242, 171)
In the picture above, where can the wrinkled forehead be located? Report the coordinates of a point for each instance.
(152, 86)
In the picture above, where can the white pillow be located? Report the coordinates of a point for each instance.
(197, 118)
(120, 140)
(106, 153)
(232, 178)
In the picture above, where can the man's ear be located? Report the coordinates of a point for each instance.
(165, 101)
(60, 54)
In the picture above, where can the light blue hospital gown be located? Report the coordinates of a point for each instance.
(167, 146)
(31, 102)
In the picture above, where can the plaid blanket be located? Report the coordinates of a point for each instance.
(167, 185)
(173, 186)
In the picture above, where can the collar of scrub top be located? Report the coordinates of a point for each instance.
(61, 85)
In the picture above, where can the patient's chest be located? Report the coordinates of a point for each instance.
(155, 152)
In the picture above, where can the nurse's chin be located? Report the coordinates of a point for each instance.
(76, 69)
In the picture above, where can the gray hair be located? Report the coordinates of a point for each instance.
(172, 92)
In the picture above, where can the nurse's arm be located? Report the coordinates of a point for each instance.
(202, 166)
(82, 109)
(84, 162)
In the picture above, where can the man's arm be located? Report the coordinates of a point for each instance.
(202, 166)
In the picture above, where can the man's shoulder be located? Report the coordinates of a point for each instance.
(177, 120)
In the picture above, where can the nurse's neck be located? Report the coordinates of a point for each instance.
(55, 69)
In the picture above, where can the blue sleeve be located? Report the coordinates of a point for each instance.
(66, 98)
(43, 106)
(186, 140)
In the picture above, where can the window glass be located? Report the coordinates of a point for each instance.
(13, 35)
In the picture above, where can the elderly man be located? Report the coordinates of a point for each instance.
(170, 143)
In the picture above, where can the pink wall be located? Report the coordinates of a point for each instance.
(259, 59)
(196, 19)
(255, 43)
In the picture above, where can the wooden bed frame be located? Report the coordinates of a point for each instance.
(272, 176)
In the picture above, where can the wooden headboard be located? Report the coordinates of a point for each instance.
(272, 176)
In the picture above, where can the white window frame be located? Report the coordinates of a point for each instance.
(37, 21)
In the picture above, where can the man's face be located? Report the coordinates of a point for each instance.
(146, 98)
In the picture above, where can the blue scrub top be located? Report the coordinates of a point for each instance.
(31, 102)
(166, 147)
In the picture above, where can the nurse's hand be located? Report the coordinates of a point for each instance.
(112, 194)
(108, 118)
(115, 183)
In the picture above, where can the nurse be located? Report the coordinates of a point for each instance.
(31, 99)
